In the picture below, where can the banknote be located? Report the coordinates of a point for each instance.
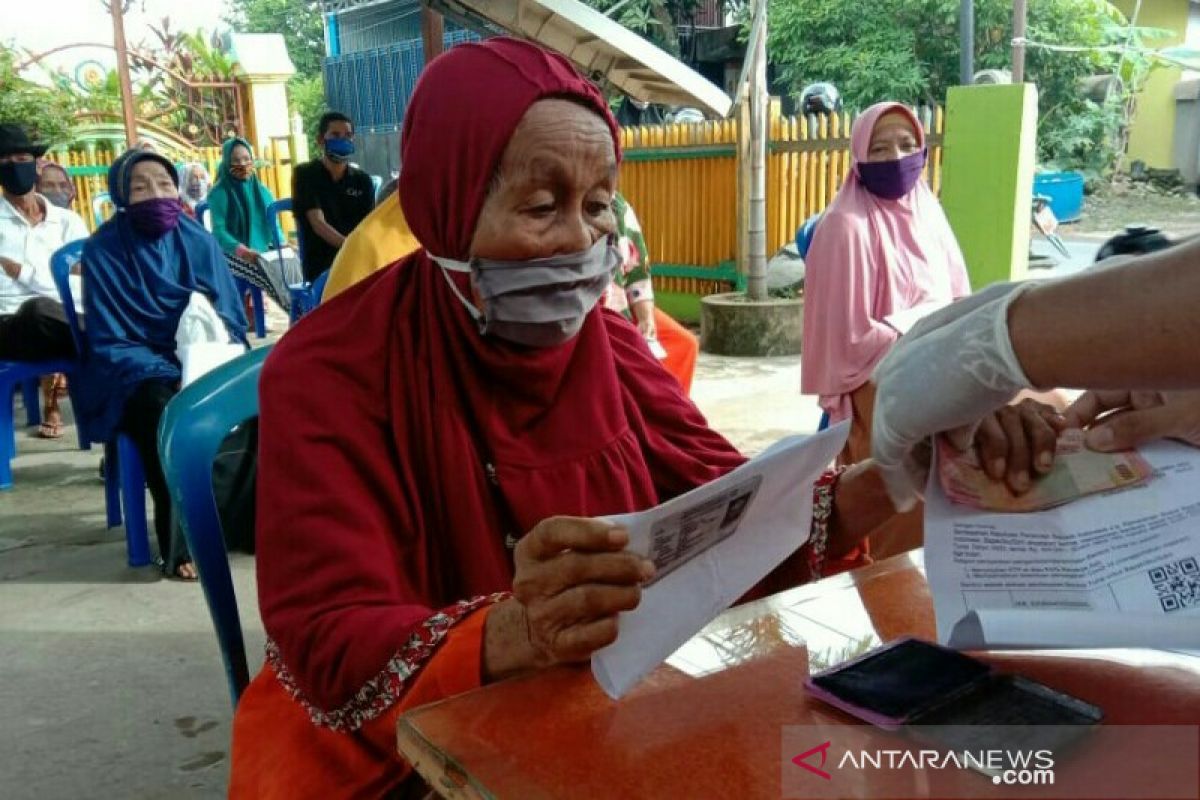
(1077, 472)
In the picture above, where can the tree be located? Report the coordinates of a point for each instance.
(45, 112)
(908, 50)
(298, 20)
(660, 21)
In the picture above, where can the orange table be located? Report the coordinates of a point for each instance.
(708, 724)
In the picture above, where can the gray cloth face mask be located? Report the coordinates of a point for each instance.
(541, 302)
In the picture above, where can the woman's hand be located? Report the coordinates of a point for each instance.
(643, 312)
(1017, 442)
(573, 576)
(1123, 420)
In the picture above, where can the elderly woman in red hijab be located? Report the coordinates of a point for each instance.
(439, 440)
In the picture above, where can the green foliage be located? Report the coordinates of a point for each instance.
(306, 95)
(44, 111)
(298, 20)
(645, 18)
(908, 50)
(174, 97)
(658, 21)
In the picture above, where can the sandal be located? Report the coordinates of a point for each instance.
(53, 388)
(177, 573)
(50, 430)
(190, 576)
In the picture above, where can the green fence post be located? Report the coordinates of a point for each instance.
(987, 177)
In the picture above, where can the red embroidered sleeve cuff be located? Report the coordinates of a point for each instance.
(402, 674)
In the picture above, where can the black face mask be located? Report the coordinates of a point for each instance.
(18, 177)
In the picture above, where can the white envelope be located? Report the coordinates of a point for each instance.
(712, 545)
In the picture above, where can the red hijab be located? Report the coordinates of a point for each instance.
(381, 411)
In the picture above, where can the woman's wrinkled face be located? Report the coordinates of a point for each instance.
(150, 180)
(241, 163)
(893, 138)
(554, 191)
(54, 182)
(197, 183)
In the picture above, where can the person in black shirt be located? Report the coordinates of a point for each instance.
(329, 195)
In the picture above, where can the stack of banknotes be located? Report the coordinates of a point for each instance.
(1077, 472)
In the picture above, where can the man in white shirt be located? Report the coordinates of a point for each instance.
(33, 326)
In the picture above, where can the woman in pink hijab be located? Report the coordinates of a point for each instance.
(882, 247)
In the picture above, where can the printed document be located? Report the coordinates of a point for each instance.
(711, 546)
(1118, 569)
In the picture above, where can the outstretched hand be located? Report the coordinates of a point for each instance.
(1118, 420)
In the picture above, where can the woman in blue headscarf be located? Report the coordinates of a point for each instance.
(140, 269)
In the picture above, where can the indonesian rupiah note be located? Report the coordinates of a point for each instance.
(1078, 471)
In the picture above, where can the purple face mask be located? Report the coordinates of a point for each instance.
(891, 180)
(155, 217)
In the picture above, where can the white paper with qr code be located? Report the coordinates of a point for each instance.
(711, 546)
(1118, 569)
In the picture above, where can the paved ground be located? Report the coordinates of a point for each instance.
(112, 685)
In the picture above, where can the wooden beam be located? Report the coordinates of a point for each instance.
(433, 33)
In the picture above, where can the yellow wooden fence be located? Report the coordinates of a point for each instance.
(682, 182)
(89, 172)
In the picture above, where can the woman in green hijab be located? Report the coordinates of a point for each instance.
(239, 202)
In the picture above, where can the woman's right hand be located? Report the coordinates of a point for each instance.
(573, 577)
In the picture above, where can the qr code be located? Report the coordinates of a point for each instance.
(1177, 584)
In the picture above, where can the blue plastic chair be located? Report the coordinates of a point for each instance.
(305, 296)
(824, 423)
(376, 182)
(192, 429)
(98, 202)
(256, 295)
(273, 212)
(804, 235)
(124, 476)
(21, 375)
(201, 210)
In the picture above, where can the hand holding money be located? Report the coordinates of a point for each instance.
(1076, 472)
(1016, 443)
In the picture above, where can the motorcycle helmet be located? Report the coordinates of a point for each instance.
(820, 98)
(1135, 240)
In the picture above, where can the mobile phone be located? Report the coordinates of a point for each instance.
(913, 682)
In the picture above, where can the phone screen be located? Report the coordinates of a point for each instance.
(902, 679)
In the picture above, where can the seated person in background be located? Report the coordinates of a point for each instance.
(238, 204)
(380, 240)
(55, 184)
(882, 246)
(632, 294)
(33, 325)
(139, 271)
(438, 440)
(194, 183)
(330, 196)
